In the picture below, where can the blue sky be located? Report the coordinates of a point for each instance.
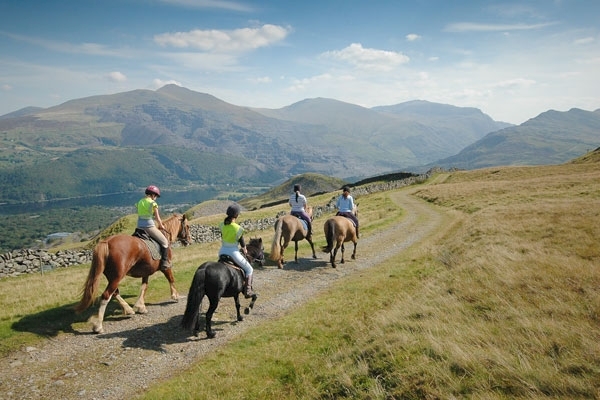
(512, 60)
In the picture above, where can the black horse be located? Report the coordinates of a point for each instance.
(215, 280)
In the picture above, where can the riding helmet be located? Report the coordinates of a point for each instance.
(153, 190)
(346, 189)
(233, 211)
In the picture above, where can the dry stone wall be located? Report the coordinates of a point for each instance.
(28, 261)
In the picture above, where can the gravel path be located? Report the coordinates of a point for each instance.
(137, 350)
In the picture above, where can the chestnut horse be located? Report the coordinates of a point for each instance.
(121, 255)
(339, 230)
(289, 228)
(215, 280)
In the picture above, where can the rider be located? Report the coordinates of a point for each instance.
(298, 203)
(231, 235)
(147, 210)
(345, 206)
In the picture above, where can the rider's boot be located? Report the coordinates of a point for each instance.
(248, 289)
(164, 258)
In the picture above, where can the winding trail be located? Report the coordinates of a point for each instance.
(137, 350)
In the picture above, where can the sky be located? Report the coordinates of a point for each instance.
(511, 59)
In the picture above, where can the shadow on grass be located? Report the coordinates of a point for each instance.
(51, 322)
(156, 336)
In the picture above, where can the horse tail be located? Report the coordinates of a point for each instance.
(276, 244)
(195, 295)
(329, 235)
(90, 288)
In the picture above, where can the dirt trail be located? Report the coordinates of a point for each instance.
(135, 351)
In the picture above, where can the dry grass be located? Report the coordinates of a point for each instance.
(504, 304)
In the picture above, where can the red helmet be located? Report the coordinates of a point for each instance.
(153, 190)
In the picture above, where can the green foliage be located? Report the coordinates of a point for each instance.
(24, 231)
(112, 170)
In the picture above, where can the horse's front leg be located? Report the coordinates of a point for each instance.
(296, 251)
(251, 305)
(169, 275)
(236, 299)
(140, 304)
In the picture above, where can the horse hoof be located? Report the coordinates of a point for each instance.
(246, 311)
(240, 319)
(211, 335)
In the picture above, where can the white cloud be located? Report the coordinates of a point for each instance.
(117, 76)
(364, 58)
(475, 27)
(224, 41)
(6, 87)
(264, 79)
(158, 83)
(586, 40)
(411, 37)
(518, 82)
(93, 49)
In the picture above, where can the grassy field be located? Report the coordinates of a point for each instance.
(505, 304)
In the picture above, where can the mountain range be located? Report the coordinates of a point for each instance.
(177, 138)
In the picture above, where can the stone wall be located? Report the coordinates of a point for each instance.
(28, 261)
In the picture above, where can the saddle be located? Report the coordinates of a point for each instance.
(347, 217)
(228, 260)
(153, 245)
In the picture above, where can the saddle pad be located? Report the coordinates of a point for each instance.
(153, 248)
(303, 222)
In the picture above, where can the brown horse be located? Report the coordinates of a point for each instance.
(121, 255)
(256, 251)
(289, 228)
(339, 230)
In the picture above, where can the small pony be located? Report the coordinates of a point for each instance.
(339, 230)
(290, 228)
(256, 250)
(215, 279)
